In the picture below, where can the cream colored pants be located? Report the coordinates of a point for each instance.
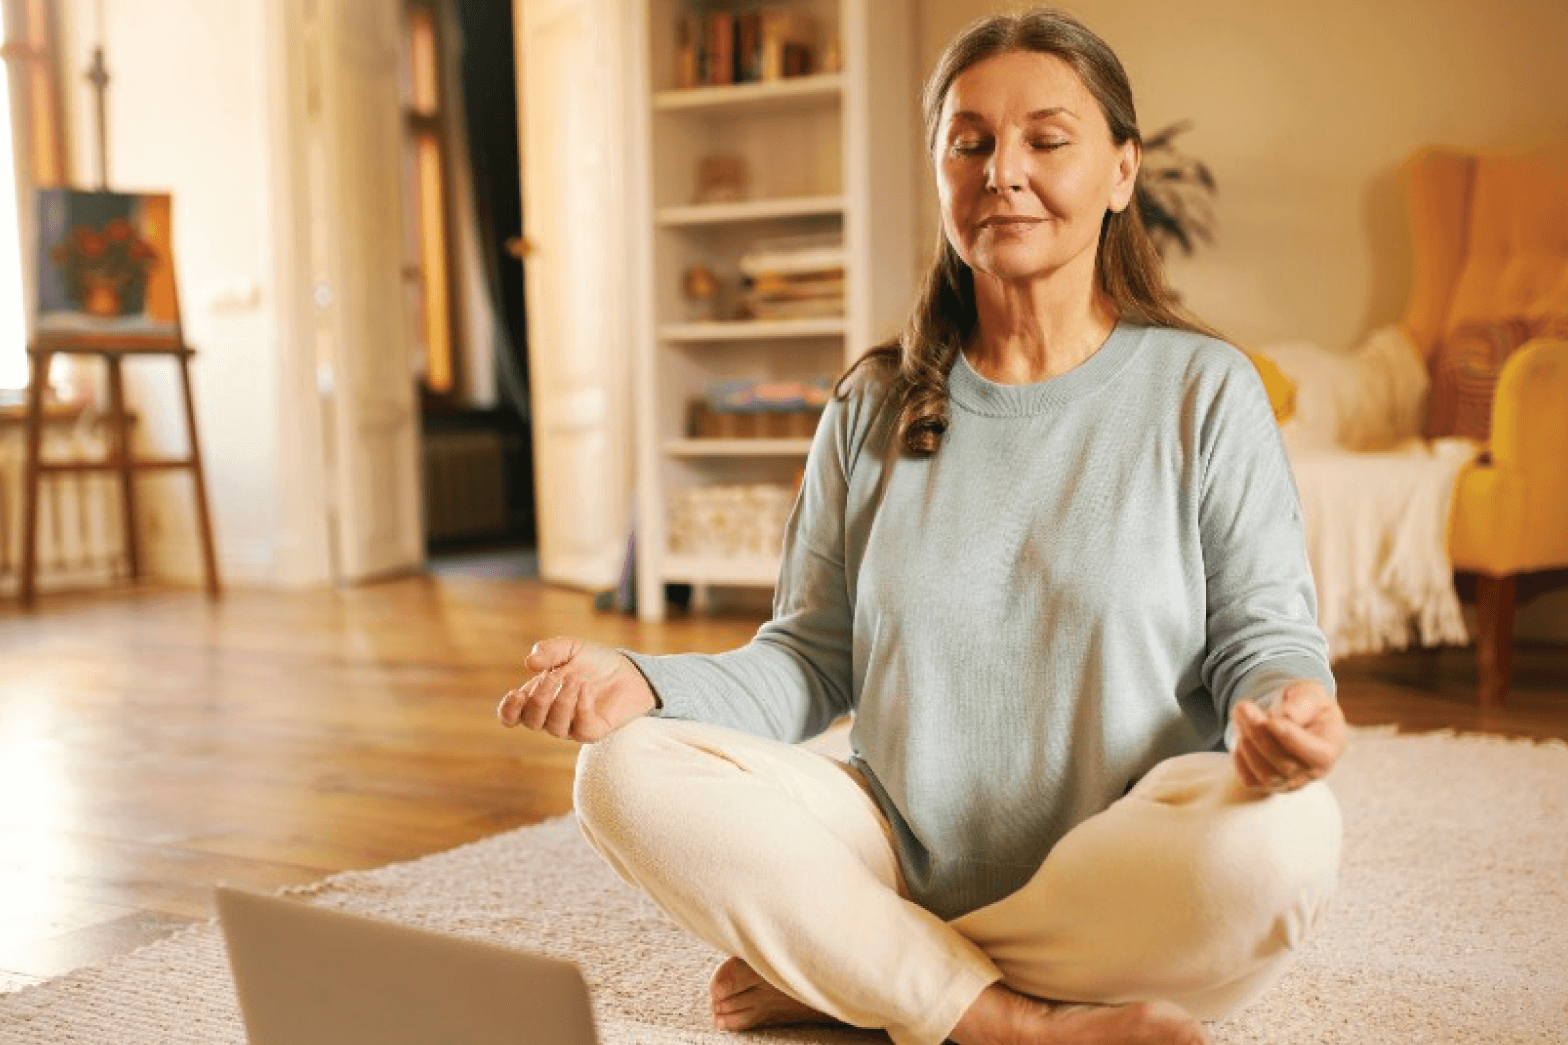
(1188, 889)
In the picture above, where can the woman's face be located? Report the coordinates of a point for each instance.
(1025, 167)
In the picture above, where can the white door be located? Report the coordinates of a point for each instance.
(574, 153)
(364, 353)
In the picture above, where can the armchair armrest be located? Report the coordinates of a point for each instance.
(1511, 514)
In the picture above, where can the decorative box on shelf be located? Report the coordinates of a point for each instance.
(708, 423)
(759, 409)
(729, 519)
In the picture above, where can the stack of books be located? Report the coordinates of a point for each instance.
(746, 396)
(749, 45)
(800, 277)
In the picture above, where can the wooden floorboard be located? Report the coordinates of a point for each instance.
(154, 744)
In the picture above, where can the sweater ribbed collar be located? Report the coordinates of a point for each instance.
(967, 388)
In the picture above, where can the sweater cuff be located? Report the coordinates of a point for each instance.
(663, 674)
(1264, 684)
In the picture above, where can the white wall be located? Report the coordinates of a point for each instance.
(191, 112)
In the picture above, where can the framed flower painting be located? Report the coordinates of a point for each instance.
(105, 267)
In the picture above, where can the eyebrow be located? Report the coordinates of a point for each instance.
(1039, 114)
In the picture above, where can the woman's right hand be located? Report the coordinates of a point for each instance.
(581, 691)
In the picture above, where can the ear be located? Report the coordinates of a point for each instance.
(1126, 175)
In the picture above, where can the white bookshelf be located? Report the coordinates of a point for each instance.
(834, 152)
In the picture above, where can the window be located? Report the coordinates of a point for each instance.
(426, 130)
(32, 152)
(13, 320)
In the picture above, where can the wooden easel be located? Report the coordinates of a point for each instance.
(112, 350)
(120, 460)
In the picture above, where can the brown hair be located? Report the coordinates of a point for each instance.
(1127, 268)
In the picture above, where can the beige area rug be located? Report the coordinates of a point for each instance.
(1452, 923)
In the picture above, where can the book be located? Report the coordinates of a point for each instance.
(721, 58)
(811, 308)
(746, 396)
(763, 262)
(688, 30)
(821, 284)
(748, 47)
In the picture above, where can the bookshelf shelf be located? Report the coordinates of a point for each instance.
(753, 330)
(750, 210)
(794, 91)
(737, 447)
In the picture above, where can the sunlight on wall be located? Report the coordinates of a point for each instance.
(13, 322)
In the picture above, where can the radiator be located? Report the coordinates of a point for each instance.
(80, 534)
(465, 484)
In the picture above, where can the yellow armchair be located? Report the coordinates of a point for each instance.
(1491, 244)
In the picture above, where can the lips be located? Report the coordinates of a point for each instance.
(1008, 221)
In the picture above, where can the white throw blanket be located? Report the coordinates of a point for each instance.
(1375, 498)
(1377, 536)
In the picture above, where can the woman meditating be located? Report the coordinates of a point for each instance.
(1046, 551)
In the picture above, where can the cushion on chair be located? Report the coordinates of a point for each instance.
(1465, 369)
(1281, 390)
(1371, 398)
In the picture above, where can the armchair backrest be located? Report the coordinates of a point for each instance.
(1491, 239)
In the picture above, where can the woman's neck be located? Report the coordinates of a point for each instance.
(1032, 331)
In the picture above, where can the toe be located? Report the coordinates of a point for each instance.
(732, 977)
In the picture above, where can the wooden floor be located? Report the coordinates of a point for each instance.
(153, 744)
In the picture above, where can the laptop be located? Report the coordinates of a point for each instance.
(308, 975)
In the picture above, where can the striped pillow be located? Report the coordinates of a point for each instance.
(1465, 369)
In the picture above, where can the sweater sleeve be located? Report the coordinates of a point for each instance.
(794, 677)
(1261, 605)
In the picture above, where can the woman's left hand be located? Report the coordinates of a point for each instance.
(1292, 744)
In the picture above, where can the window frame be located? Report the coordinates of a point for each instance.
(432, 124)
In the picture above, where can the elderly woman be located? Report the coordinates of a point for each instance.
(1047, 550)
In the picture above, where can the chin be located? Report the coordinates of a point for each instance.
(1010, 266)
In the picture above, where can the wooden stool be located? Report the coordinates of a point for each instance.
(119, 460)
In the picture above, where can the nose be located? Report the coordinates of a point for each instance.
(1004, 174)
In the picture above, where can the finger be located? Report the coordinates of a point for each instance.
(1280, 764)
(558, 723)
(506, 710)
(1316, 753)
(511, 705)
(537, 709)
(1248, 766)
(552, 653)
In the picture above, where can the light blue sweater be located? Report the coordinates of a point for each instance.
(1079, 584)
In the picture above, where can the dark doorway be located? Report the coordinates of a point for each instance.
(480, 512)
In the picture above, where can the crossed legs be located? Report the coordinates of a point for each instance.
(1186, 897)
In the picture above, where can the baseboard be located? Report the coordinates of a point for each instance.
(245, 563)
(52, 582)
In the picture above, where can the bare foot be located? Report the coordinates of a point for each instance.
(743, 1000)
(1004, 1017)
